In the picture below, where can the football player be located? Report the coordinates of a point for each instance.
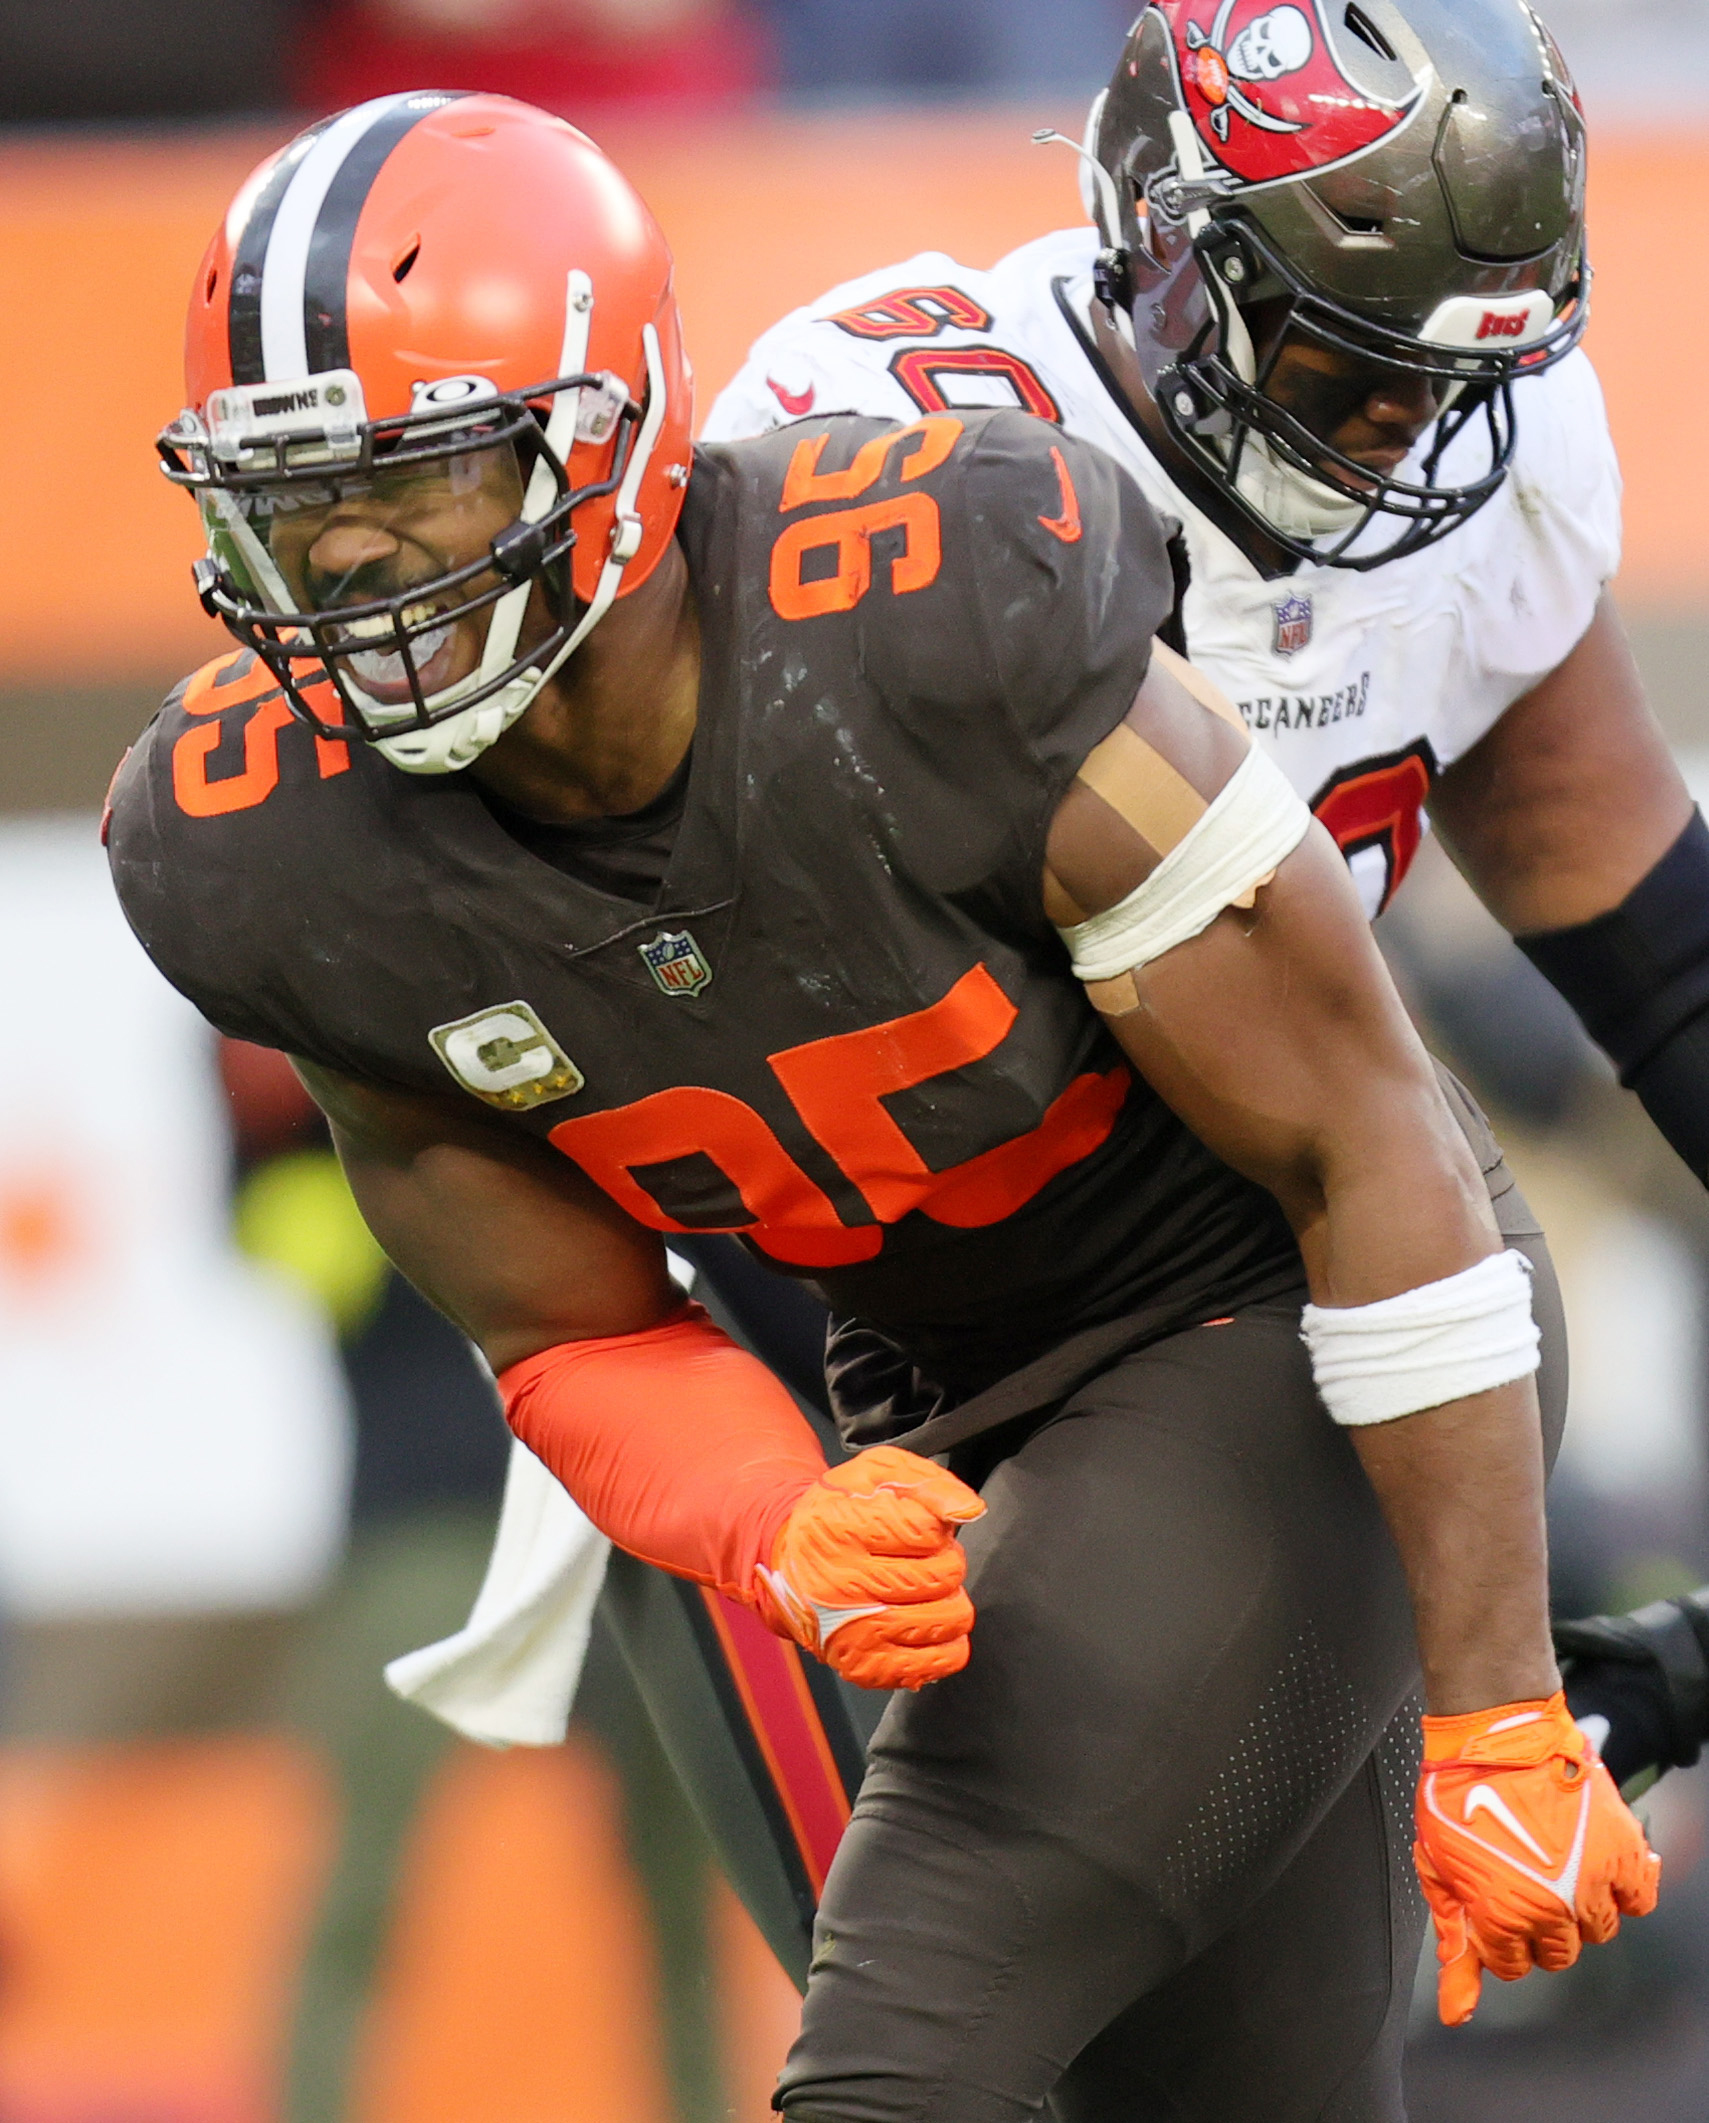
(806, 838)
(1339, 351)
(1328, 318)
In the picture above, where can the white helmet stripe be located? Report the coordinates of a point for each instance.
(284, 347)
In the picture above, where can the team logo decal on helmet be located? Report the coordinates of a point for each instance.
(1266, 92)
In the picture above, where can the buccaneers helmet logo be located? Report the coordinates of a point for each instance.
(1263, 86)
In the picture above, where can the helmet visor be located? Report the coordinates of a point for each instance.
(1358, 404)
(386, 573)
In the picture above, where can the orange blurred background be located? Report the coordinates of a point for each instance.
(99, 240)
(156, 1899)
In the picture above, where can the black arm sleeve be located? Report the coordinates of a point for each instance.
(1647, 1673)
(1639, 979)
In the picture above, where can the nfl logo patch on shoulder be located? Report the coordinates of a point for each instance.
(1293, 626)
(673, 959)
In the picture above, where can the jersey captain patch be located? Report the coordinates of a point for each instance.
(506, 1057)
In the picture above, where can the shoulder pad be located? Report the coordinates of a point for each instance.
(218, 833)
(192, 739)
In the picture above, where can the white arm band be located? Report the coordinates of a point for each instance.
(1437, 1343)
(1255, 822)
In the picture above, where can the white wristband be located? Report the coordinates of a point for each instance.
(1465, 1334)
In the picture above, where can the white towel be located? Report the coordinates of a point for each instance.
(508, 1677)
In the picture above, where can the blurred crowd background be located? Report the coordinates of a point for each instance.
(241, 1464)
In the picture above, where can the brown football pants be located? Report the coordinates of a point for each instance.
(1148, 1856)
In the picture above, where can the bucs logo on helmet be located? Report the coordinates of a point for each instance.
(1266, 91)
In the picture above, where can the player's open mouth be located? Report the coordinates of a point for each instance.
(383, 674)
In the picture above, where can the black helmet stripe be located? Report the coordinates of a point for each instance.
(292, 289)
(243, 309)
(327, 270)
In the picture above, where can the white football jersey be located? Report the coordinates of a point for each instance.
(1362, 686)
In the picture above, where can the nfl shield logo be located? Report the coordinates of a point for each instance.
(1293, 625)
(673, 959)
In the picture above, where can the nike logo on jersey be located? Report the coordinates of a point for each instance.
(794, 403)
(1067, 525)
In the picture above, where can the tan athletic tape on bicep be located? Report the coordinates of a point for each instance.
(1203, 691)
(1113, 998)
(1141, 786)
(1218, 703)
(1255, 821)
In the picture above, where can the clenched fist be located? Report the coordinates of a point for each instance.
(866, 1570)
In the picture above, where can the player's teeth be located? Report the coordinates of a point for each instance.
(383, 668)
(362, 629)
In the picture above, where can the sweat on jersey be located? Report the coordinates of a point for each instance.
(1362, 687)
(845, 1029)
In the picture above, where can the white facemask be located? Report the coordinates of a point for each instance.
(454, 743)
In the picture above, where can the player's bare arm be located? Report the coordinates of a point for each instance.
(1274, 1032)
(503, 1235)
(1278, 1037)
(1571, 798)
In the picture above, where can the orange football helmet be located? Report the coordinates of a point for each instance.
(442, 295)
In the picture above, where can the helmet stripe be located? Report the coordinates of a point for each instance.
(249, 257)
(271, 333)
(326, 269)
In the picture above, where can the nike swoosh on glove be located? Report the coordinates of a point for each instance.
(866, 1570)
(1525, 1848)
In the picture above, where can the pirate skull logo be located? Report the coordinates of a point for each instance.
(1266, 91)
(1276, 44)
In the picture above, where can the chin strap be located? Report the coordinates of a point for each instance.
(452, 744)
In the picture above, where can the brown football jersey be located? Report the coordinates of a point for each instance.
(846, 1029)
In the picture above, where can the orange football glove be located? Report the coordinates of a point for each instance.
(1524, 1847)
(866, 1570)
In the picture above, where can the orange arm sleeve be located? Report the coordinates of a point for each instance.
(680, 1447)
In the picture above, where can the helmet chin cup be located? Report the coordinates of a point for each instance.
(457, 741)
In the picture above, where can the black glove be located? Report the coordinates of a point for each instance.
(1647, 1673)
